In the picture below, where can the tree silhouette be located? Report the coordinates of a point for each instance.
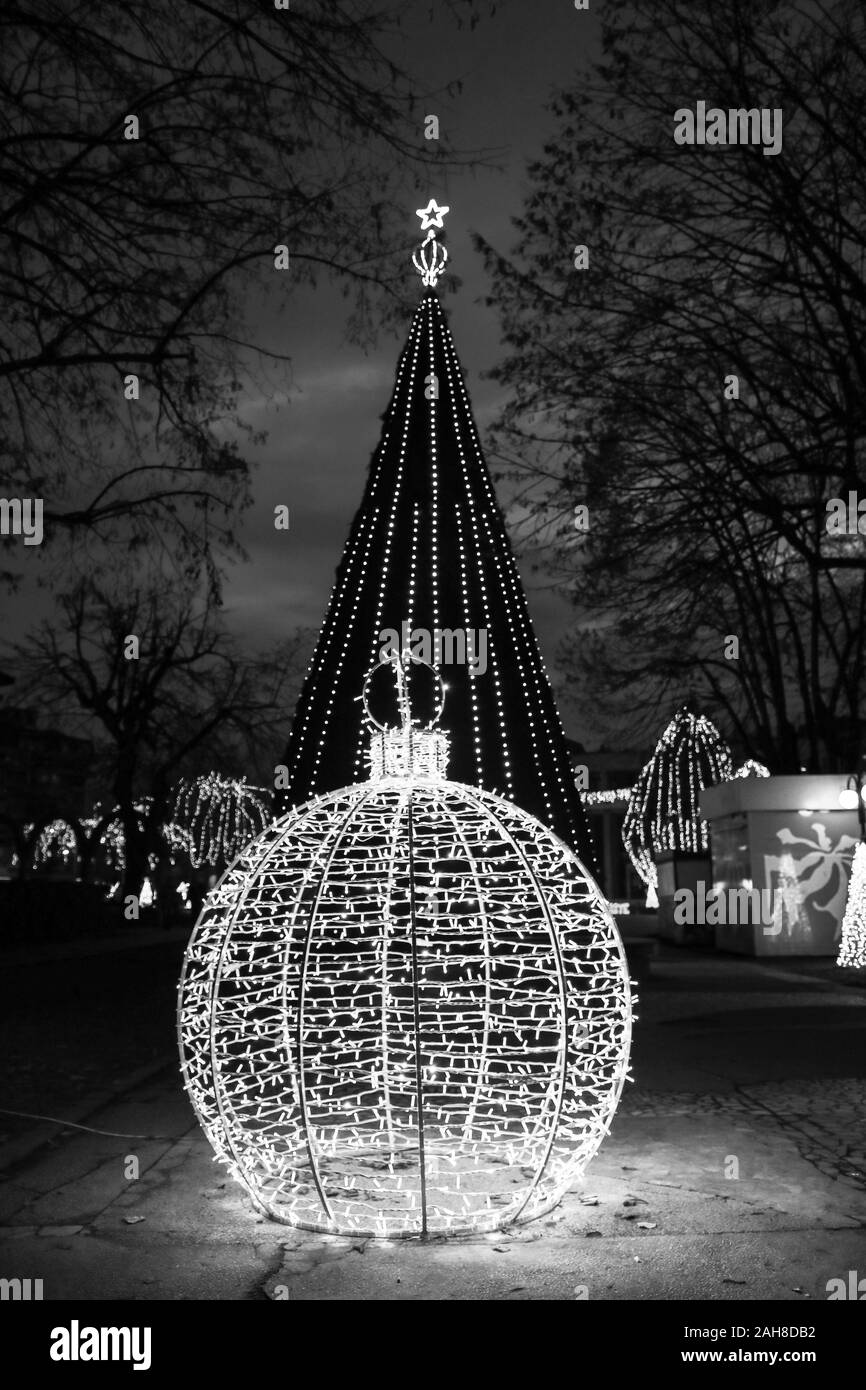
(152, 157)
(707, 514)
(190, 700)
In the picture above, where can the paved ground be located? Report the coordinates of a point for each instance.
(735, 1170)
(78, 1019)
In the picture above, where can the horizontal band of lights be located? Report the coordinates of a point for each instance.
(607, 797)
(663, 811)
(852, 947)
(405, 1009)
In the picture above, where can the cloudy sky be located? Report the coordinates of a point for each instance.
(323, 411)
(325, 422)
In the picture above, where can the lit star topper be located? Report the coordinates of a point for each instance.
(432, 215)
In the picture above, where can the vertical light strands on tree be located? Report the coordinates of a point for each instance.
(429, 543)
(852, 947)
(405, 1008)
(663, 811)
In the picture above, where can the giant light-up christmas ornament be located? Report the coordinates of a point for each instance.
(405, 1008)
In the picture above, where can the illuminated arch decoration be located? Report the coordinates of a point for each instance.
(58, 842)
(405, 1008)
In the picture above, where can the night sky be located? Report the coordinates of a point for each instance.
(325, 424)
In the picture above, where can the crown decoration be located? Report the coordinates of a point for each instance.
(431, 257)
(405, 751)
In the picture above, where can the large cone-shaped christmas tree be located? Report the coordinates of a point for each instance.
(428, 553)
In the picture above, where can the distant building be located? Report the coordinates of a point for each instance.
(43, 773)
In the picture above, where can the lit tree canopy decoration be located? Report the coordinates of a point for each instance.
(214, 817)
(852, 947)
(405, 1008)
(221, 815)
(663, 809)
(58, 841)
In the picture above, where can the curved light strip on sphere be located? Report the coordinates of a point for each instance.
(405, 1009)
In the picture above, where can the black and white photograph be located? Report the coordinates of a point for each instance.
(432, 666)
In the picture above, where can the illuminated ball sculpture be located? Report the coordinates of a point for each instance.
(405, 1008)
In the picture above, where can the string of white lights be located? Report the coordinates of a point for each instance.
(457, 393)
(489, 518)
(341, 612)
(402, 405)
(608, 796)
(477, 742)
